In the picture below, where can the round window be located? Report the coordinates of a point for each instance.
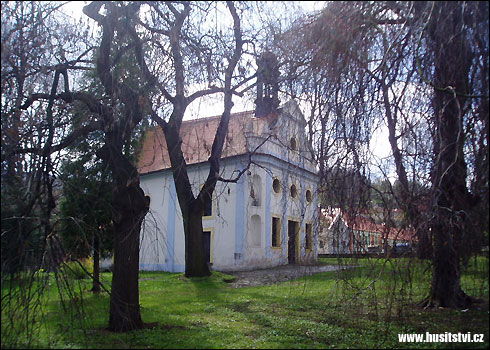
(276, 185)
(294, 192)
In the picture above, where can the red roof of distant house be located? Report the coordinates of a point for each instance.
(363, 222)
(197, 140)
(360, 223)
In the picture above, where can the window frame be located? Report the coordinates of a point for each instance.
(211, 238)
(279, 232)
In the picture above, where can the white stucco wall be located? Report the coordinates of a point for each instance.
(231, 223)
(234, 222)
(336, 238)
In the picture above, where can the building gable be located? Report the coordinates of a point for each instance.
(273, 134)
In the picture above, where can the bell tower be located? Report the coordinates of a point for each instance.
(267, 84)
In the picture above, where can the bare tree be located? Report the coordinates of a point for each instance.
(422, 70)
(115, 112)
(191, 51)
(37, 49)
(127, 94)
(29, 56)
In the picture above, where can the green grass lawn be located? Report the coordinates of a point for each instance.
(364, 307)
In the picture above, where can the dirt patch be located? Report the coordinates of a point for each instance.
(278, 274)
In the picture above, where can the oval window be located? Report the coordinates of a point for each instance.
(276, 185)
(294, 191)
(293, 144)
(309, 196)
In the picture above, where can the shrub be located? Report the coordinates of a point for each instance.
(73, 269)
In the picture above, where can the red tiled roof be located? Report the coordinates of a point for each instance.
(197, 140)
(360, 223)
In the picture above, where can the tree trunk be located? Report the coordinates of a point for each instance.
(129, 210)
(96, 272)
(446, 288)
(195, 263)
(129, 207)
(195, 257)
(424, 244)
(452, 62)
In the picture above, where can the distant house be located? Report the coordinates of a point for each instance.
(334, 235)
(267, 218)
(342, 233)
